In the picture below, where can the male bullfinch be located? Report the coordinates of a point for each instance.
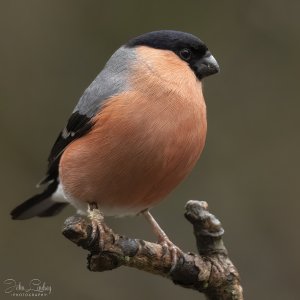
(135, 134)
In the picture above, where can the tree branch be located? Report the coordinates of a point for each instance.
(211, 272)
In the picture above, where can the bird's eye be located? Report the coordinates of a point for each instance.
(185, 54)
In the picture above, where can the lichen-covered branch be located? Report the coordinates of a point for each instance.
(211, 272)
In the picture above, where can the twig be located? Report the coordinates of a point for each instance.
(211, 272)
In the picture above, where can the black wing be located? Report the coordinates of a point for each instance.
(41, 204)
(78, 125)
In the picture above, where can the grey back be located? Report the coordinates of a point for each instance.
(112, 80)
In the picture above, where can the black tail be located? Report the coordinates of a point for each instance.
(40, 205)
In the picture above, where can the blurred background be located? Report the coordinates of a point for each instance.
(249, 172)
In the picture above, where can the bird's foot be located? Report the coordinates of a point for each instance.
(98, 229)
(174, 251)
(163, 239)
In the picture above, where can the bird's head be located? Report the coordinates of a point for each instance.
(186, 46)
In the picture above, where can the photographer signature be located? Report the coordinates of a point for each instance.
(34, 286)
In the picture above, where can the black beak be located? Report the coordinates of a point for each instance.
(207, 66)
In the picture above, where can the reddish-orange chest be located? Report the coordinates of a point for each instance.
(144, 141)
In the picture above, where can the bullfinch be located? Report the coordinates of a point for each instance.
(135, 134)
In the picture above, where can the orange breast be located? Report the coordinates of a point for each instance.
(144, 142)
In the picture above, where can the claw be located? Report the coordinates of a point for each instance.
(174, 251)
(163, 239)
(98, 230)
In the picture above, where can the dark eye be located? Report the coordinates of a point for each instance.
(185, 54)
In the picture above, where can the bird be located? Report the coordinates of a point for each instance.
(135, 134)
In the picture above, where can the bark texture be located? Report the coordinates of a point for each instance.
(210, 272)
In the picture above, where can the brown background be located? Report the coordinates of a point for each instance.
(249, 173)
